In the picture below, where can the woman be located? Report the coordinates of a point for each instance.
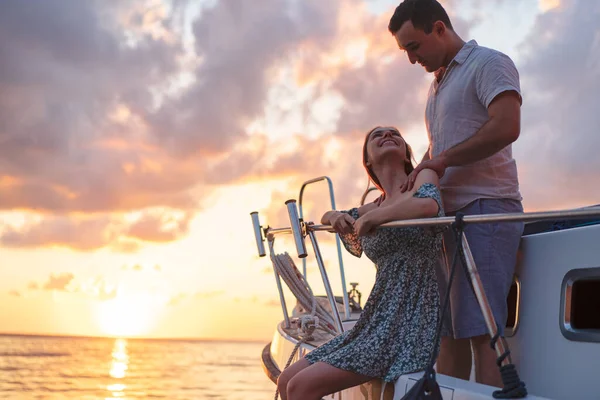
(395, 333)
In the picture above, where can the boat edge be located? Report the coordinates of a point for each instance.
(269, 366)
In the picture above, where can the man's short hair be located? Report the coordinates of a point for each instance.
(422, 13)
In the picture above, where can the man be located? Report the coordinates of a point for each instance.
(472, 117)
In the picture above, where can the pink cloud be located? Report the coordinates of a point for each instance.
(88, 233)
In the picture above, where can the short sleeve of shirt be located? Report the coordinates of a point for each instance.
(496, 75)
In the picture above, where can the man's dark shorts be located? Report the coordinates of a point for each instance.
(494, 247)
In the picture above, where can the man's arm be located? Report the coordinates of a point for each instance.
(426, 156)
(502, 128)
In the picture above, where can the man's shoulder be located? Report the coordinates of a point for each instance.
(485, 54)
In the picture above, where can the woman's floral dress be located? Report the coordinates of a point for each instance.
(396, 330)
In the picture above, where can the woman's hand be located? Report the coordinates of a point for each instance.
(366, 224)
(342, 223)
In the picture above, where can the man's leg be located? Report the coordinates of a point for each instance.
(455, 358)
(486, 370)
(496, 275)
(494, 248)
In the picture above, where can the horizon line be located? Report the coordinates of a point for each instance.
(182, 339)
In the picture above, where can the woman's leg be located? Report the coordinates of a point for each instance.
(321, 379)
(288, 374)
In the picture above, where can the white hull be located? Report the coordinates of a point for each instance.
(451, 388)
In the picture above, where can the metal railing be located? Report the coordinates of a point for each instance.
(337, 238)
(301, 229)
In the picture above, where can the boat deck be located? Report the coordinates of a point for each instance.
(319, 336)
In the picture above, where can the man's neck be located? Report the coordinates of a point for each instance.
(439, 74)
(456, 44)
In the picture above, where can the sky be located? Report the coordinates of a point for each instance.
(137, 136)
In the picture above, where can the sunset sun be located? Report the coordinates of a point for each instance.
(128, 315)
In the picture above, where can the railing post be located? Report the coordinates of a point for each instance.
(337, 239)
(334, 310)
(279, 286)
(258, 234)
(296, 228)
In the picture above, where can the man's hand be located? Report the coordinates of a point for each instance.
(438, 164)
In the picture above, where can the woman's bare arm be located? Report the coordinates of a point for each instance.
(408, 207)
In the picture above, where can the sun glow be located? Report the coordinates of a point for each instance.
(129, 315)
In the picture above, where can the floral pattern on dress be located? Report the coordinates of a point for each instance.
(395, 332)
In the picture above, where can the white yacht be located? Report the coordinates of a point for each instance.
(553, 329)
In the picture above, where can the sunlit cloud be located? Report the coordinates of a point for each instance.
(159, 227)
(59, 282)
(272, 303)
(546, 5)
(209, 294)
(99, 288)
(83, 233)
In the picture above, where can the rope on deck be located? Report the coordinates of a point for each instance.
(318, 317)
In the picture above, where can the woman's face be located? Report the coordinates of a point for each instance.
(383, 141)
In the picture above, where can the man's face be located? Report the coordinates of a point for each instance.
(425, 49)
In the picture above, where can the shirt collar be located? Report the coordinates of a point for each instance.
(465, 51)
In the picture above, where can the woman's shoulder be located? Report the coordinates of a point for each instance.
(426, 176)
(365, 208)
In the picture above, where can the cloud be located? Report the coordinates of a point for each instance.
(99, 127)
(349, 75)
(179, 298)
(272, 303)
(125, 246)
(139, 110)
(95, 232)
(159, 227)
(73, 85)
(239, 45)
(81, 235)
(556, 152)
(59, 282)
(209, 294)
(546, 5)
(97, 288)
(100, 289)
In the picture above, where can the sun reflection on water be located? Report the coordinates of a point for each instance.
(118, 369)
